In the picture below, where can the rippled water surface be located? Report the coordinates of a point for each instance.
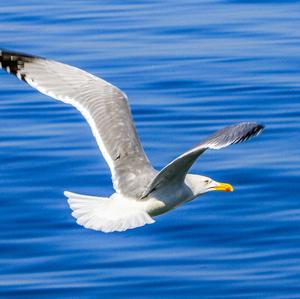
(188, 68)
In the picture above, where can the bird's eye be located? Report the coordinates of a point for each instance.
(206, 181)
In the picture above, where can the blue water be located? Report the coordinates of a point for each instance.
(189, 68)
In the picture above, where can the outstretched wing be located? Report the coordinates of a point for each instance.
(179, 167)
(103, 106)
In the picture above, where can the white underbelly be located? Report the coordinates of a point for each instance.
(156, 206)
(166, 199)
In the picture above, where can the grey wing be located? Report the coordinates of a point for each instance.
(104, 107)
(179, 167)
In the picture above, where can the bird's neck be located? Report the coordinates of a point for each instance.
(194, 183)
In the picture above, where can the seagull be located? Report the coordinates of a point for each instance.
(141, 192)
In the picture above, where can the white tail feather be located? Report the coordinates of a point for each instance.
(107, 214)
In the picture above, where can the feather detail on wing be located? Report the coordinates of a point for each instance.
(179, 167)
(104, 107)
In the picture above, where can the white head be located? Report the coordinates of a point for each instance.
(200, 184)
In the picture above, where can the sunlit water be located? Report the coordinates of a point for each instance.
(188, 68)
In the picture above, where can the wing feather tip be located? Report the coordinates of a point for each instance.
(13, 62)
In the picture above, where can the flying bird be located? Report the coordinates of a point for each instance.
(141, 192)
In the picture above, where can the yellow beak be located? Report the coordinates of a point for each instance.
(223, 187)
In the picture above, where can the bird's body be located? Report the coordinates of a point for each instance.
(132, 212)
(141, 191)
(173, 195)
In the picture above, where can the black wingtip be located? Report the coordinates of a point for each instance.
(13, 62)
(6, 52)
(252, 124)
(256, 130)
(233, 134)
(259, 128)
